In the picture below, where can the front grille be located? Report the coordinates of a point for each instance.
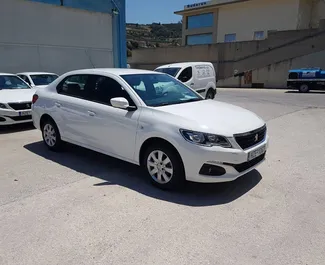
(21, 118)
(249, 139)
(21, 105)
(246, 165)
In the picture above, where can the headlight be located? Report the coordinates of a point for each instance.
(3, 106)
(206, 139)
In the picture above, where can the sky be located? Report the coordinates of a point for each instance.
(149, 11)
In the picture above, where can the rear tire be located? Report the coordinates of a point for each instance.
(164, 167)
(210, 94)
(304, 88)
(51, 135)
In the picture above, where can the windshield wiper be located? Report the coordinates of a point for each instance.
(192, 100)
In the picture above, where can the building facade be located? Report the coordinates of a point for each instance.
(218, 21)
(62, 35)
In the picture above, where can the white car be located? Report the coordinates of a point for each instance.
(38, 79)
(200, 76)
(173, 132)
(15, 100)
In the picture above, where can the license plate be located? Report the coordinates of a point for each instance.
(25, 113)
(257, 152)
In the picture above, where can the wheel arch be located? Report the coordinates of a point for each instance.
(155, 140)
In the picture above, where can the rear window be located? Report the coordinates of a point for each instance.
(44, 79)
(173, 71)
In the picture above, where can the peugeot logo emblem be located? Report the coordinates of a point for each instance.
(28, 105)
(256, 137)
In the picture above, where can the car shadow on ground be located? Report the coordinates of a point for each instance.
(116, 172)
(310, 92)
(16, 128)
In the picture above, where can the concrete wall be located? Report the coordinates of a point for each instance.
(52, 38)
(318, 12)
(275, 75)
(257, 15)
(240, 56)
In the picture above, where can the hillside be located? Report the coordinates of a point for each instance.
(153, 35)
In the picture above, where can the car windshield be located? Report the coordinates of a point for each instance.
(160, 89)
(41, 80)
(173, 71)
(12, 82)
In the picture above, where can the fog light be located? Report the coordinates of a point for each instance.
(212, 170)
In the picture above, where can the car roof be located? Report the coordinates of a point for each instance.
(114, 71)
(7, 74)
(36, 73)
(183, 64)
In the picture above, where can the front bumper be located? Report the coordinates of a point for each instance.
(232, 162)
(10, 117)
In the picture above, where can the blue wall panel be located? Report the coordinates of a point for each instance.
(104, 6)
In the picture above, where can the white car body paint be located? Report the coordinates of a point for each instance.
(23, 97)
(121, 133)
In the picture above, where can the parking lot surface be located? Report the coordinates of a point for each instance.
(79, 207)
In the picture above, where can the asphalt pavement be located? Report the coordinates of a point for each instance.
(79, 207)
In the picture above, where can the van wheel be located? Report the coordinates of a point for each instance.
(304, 88)
(210, 94)
(51, 135)
(164, 167)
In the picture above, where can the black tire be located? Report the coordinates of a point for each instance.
(49, 128)
(177, 179)
(304, 88)
(210, 94)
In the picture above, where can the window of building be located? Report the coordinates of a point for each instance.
(259, 35)
(230, 37)
(199, 39)
(186, 74)
(200, 21)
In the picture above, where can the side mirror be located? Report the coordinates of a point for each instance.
(121, 103)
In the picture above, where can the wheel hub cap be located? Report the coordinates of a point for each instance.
(49, 135)
(160, 167)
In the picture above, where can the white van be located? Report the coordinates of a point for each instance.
(199, 76)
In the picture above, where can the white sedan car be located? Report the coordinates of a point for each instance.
(15, 100)
(173, 132)
(38, 79)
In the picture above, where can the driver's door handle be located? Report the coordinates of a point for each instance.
(58, 104)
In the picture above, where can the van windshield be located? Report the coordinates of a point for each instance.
(173, 71)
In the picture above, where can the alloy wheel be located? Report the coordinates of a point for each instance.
(49, 135)
(160, 167)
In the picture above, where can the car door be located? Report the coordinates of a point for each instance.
(112, 130)
(71, 110)
(186, 76)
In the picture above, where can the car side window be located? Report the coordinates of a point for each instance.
(25, 78)
(74, 86)
(186, 74)
(105, 88)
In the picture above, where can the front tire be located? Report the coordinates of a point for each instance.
(164, 167)
(304, 88)
(51, 135)
(210, 94)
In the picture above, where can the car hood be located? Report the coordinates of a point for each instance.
(16, 95)
(210, 116)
